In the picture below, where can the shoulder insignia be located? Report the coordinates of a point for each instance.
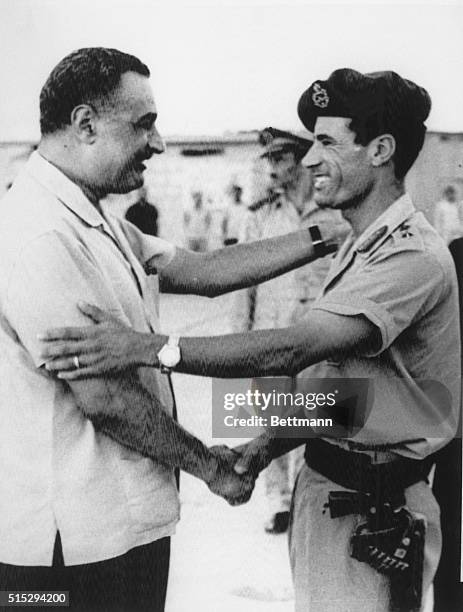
(372, 239)
(405, 230)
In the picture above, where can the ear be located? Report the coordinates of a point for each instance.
(83, 123)
(382, 149)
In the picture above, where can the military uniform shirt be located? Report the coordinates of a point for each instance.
(400, 276)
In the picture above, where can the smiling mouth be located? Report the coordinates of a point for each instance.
(320, 181)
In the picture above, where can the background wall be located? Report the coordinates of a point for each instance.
(234, 158)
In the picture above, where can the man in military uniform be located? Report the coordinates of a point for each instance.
(393, 274)
(388, 314)
(283, 301)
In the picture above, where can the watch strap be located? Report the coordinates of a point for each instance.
(320, 247)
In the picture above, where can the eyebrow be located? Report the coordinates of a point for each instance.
(324, 137)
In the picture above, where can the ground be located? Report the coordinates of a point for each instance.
(222, 560)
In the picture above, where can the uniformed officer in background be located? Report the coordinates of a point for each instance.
(388, 314)
(287, 207)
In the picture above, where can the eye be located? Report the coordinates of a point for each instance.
(325, 140)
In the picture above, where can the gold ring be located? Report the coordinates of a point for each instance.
(75, 361)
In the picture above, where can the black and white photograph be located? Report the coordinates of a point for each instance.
(231, 282)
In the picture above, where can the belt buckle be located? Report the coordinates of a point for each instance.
(381, 457)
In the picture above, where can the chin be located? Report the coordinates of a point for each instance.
(325, 202)
(128, 185)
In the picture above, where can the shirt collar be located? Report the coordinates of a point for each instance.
(309, 207)
(70, 194)
(382, 227)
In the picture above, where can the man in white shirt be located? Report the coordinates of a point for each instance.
(80, 510)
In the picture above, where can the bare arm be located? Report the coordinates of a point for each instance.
(235, 267)
(259, 452)
(106, 347)
(125, 410)
(272, 352)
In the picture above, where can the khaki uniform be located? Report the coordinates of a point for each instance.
(400, 276)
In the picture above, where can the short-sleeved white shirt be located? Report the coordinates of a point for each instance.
(56, 471)
(400, 276)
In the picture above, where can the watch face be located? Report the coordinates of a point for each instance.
(169, 356)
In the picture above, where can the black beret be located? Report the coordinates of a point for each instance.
(383, 96)
(279, 141)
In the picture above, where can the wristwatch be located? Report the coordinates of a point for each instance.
(320, 247)
(169, 356)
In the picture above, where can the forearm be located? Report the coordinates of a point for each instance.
(125, 411)
(257, 454)
(236, 267)
(270, 352)
(248, 264)
(277, 352)
(275, 444)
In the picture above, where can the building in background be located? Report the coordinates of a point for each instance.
(209, 162)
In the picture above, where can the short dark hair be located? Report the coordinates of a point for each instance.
(87, 75)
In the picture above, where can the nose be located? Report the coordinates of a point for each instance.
(313, 156)
(156, 141)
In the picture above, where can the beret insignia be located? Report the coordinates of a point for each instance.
(320, 96)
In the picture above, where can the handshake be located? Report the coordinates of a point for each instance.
(233, 471)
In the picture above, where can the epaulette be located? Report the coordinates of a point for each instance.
(405, 230)
(372, 239)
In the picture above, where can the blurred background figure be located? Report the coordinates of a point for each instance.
(143, 214)
(234, 215)
(448, 215)
(283, 301)
(197, 222)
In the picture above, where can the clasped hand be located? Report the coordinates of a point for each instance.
(236, 472)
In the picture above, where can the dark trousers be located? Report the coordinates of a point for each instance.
(448, 590)
(134, 582)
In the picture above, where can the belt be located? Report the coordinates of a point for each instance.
(358, 471)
